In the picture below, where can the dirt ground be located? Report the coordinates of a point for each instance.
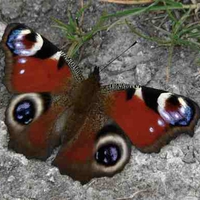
(172, 174)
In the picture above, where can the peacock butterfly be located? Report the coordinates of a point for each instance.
(95, 126)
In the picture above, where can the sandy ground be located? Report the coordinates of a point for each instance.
(172, 174)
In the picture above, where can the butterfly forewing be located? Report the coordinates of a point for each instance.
(33, 64)
(151, 117)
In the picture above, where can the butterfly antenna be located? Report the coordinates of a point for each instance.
(118, 56)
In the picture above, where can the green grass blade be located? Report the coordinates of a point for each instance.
(72, 23)
(153, 39)
(179, 25)
(140, 10)
(189, 30)
(82, 10)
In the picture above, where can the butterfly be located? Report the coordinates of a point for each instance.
(94, 126)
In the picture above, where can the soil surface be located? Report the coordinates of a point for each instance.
(172, 174)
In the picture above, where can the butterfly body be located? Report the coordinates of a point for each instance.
(94, 125)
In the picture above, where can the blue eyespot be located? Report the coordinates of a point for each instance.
(12, 38)
(181, 117)
(15, 43)
(187, 114)
(24, 112)
(108, 154)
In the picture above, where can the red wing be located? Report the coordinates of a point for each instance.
(31, 120)
(151, 117)
(33, 64)
(94, 154)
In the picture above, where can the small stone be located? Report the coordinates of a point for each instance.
(52, 179)
(46, 7)
(189, 156)
(2, 28)
(11, 178)
(143, 74)
(140, 53)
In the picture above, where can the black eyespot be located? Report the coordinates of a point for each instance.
(31, 37)
(173, 100)
(108, 154)
(24, 112)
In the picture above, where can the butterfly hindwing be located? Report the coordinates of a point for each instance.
(94, 154)
(33, 64)
(31, 120)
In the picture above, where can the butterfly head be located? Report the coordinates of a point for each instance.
(95, 74)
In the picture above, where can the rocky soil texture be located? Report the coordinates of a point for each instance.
(172, 174)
